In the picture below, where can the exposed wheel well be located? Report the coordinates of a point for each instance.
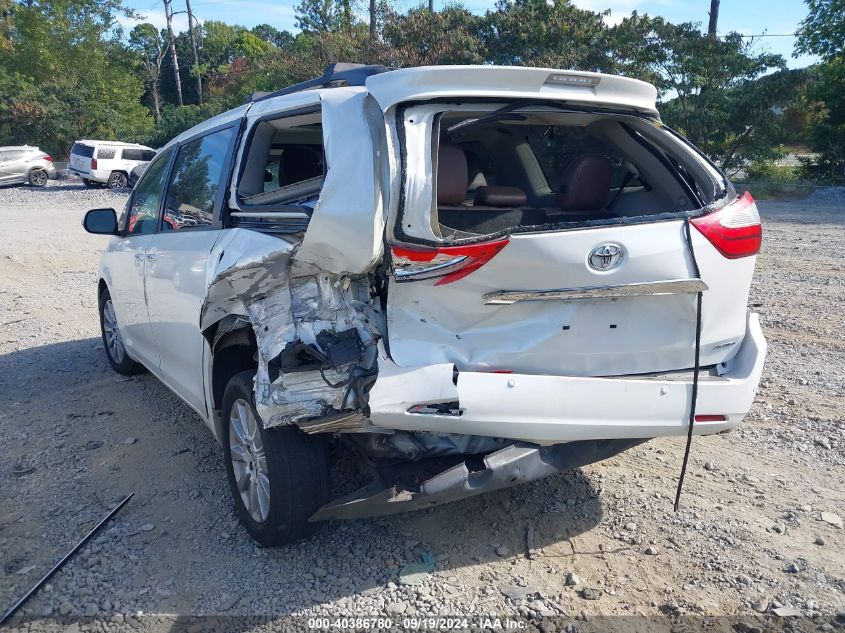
(233, 353)
(101, 288)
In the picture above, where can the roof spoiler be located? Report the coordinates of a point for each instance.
(337, 74)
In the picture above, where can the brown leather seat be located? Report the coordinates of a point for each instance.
(495, 208)
(452, 176)
(585, 185)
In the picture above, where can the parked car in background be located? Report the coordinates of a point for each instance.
(25, 164)
(136, 174)
(107, 162)
(471, 276)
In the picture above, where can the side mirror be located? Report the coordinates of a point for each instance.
(101, 222)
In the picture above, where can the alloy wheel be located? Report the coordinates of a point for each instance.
(117, 181)
(249, 462)
(112, 333)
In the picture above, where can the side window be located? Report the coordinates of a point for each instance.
(106, 153)
(196, 181)
(285, 162)
(144, 204)
(131, 153)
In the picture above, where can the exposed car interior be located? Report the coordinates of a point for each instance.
(285, 164)
(519, 170)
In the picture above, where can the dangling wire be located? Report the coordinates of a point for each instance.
(696, 368)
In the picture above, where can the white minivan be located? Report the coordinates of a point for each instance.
(107, 162)
(470, 276)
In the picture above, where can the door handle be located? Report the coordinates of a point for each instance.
(139, 257)
(152, 256)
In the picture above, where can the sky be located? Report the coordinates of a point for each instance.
(773, 18)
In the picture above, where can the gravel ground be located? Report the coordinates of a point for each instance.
(751, 536)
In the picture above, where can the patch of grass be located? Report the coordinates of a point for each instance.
(770, 181)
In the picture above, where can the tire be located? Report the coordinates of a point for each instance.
(37, 178)
(112, 341)
(294, 473)
(118, 180)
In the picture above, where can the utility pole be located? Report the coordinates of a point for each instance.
(372, 20)
(168, 14)
(431, 6)
(197, 75)
(714, 19)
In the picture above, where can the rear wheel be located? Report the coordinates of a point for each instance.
(37, 178)
(118, 180)
(112, 339)
(278, 477)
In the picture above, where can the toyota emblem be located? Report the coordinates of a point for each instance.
(606, 257)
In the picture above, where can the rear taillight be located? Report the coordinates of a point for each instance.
(93, 163)
(735, 229)
(448, 262)
(48, 158)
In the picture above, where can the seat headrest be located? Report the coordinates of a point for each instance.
(452, 175)
(585, 184)
(493, 196)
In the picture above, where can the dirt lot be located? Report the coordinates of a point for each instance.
(76, 437)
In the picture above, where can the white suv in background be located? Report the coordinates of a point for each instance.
(471, 276)
(107, 162)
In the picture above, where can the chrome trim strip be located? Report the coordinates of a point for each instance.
(668, 287)
(408, 274)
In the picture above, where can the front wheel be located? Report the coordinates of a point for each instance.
(113, 340)
(278, 477)
(37, 178)
(118, 180)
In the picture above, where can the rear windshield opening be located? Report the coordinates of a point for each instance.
(508, 169)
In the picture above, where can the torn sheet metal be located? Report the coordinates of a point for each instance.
(399, 388)
(347, 227)
(515, 464)
(285, 301)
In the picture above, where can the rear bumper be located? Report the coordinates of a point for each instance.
(98, 175)
(554, 409)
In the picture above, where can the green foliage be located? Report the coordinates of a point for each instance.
(420, 37)
(553, 34)
(769, 171)
(715, 91)
(823, 33)
(68, 71)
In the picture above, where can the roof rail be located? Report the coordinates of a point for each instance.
(337, 74)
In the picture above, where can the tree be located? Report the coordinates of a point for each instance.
(174, 59)
(324, 15)
(67, 75)
(822, 33)
(553, 33)
(714, 95)
(148, 43)
(194, 69)
(419, 37)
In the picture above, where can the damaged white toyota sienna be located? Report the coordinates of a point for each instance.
(471, 276)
